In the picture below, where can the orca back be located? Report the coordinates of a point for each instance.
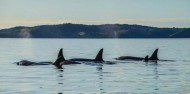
(99, 56)
(154, 56)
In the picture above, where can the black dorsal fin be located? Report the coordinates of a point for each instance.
(146, 59)
(60, 55)
(60, 58)
(99, 55)
(154, 55)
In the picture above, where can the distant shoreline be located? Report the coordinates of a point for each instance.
(105, 31)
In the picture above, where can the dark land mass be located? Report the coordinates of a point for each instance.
(94, 31)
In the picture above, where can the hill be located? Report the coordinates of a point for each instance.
(94, 31)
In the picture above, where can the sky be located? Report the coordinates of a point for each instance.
(157, 13)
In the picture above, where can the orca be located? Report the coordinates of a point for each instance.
(61, 60)
(154, 56)
(58, 63)
(146, 59)
(98, 58)
(30, 63)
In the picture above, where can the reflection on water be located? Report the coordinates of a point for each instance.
(60, 80)
(154, 65)
(156, 76)
(100, 79)
(156, 73)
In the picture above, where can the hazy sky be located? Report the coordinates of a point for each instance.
(160, 13)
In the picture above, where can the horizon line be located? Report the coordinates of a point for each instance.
(89, 24)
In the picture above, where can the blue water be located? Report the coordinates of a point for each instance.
(171, 77)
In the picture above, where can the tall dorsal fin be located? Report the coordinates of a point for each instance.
(60, 58)
(154, 55)
(60, 55)
(146, 59)
(99, 55)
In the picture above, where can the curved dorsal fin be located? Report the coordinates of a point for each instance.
(99, 55)
(60, 58)
(154, 55)
(146, 59)
(60, 55)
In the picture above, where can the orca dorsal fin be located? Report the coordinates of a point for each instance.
(146, 59)
(154, 56)
(99, 55)
(60, 55)
(60, 58)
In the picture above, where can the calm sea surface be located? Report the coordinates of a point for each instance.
(171, 77)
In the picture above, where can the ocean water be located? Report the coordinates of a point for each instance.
(126, 77)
